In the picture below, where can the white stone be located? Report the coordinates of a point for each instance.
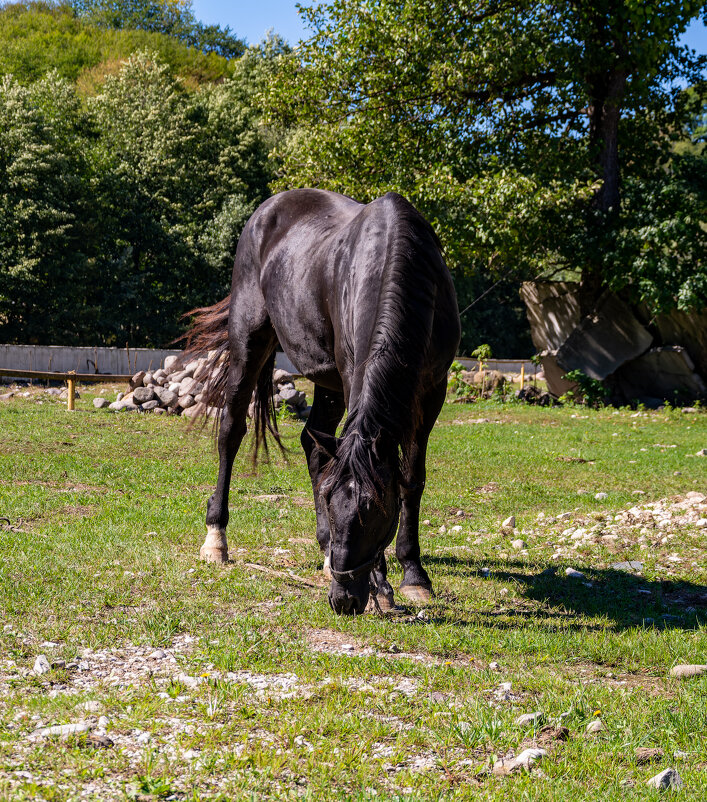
(530, 756)
(41, 665)
(170, 363)
(62, 730)
(519, 544)
(574, 573)
(530, 718)
(510, 522)
(595, 726)
(103, 722)
(601, 496)
(92, 707)
(669, 778)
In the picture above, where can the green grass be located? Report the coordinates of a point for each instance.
(107, 513)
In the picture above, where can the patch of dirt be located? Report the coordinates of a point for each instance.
(592, 674)
(76, 510)
(330, 641)
(549, 737)
(303, 501)
(61, 487)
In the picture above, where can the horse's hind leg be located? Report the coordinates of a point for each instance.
(416, 584)
(327, 410)
(251, 356)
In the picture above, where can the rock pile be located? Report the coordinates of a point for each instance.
(288, 395)
(179, 389)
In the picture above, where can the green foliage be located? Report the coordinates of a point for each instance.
(36, 37)
(172, 17)
(590, 392)
(123, 212)
(456, 385)
(42, 197)
(483, 354)
(514, 128)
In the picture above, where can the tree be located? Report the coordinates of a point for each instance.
(179, 175)
(120, 212)
(44, 268)
(172, 17)
(36, 37)
(514, 126)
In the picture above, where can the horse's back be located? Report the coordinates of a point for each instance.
(321, 262)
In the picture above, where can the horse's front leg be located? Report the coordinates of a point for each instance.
(381, 591)
(327, 410)
(416, 584)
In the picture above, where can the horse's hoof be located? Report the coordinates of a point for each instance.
(419, 594)
(210, 555)
(386, 602)
(215, 548)
(326, 570)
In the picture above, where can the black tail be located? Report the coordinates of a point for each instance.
(264, 416)
(208, 334)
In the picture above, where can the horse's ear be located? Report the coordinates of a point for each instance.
(328, 443)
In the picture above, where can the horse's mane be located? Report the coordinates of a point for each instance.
(387, 411)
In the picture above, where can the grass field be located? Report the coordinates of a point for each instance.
(238, 682)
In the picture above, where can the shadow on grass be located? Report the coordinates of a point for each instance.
(624, 597)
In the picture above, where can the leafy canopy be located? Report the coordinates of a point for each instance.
(36, 37)
(536, 135)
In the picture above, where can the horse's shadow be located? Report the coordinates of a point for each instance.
(592, 601)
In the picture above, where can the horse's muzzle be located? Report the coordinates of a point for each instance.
(349, 598)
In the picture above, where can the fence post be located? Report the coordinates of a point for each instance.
(72, 386)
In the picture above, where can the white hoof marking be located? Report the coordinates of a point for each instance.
(215, 548)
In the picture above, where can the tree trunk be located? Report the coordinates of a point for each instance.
(607, 92)
(605, 113)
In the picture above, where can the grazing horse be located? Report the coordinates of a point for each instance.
(361, 301)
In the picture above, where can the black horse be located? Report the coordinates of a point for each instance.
(361, 301)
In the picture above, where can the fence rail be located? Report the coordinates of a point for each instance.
(70, 377)
(56, 375)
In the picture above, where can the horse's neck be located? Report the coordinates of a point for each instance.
(386, 379)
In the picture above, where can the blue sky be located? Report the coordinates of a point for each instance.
(253, 18)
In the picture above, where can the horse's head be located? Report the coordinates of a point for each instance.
(362, 505)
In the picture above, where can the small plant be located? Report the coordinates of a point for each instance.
(456, 383)
(483, 354)
(285, 415)
(590, 392)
